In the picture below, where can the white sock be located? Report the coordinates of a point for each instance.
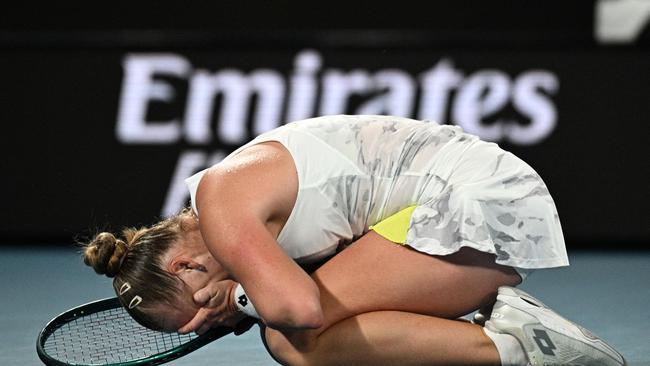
(510, 351)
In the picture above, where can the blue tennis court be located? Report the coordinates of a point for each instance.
(107, 112)
(607, 292)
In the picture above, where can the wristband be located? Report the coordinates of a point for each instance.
(243, 302)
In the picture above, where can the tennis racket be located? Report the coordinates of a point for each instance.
(103, 333)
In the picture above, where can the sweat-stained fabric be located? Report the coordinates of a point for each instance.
(355, 171)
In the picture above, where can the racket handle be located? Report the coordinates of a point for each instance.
(244, 325)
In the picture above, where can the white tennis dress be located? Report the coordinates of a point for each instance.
(355, 171)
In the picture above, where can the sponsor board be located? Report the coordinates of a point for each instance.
(103, 138)
(255, 101)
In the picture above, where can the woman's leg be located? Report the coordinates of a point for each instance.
(368, 291)
(388, 338)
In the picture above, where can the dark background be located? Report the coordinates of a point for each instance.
(65, 173)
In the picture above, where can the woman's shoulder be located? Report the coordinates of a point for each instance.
(261, 178)
(255, 159)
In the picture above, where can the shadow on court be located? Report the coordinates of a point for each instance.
(607, 292)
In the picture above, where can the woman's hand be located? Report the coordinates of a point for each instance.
(218, 307)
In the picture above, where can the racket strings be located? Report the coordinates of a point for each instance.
(106, 337)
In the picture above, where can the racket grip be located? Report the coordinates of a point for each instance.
(244, 325)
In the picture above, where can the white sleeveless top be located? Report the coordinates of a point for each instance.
(354, 171)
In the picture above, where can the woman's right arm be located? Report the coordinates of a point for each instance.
(235, 200)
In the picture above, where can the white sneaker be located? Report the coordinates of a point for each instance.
(547, 338)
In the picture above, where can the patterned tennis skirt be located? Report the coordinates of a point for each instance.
(494, 202)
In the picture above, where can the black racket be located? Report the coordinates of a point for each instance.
(103, 333)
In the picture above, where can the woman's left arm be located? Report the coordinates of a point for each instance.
(236, 201)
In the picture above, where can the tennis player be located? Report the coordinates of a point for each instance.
(429, 224)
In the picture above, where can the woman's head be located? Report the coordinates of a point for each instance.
(155, 270)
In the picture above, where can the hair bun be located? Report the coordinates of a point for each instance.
(105, 254)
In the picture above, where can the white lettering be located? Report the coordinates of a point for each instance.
(437, 84)
(398, 98)
(177, 194)
(536, 105)
(223, 99)
(236, 90)
(188, 163)
(482, 94)
(230, 105)
(138, 89)
(269, 86)
(200, 99)
(302, 96)
(621, 21)
(338, 86)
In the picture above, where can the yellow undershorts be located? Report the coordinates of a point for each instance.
(395, 227)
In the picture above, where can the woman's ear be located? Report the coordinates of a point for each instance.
(180, 265)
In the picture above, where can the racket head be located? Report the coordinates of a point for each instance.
(69, 340)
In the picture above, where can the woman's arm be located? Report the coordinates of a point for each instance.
(239, 201)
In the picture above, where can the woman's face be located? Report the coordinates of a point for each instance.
(195, 266)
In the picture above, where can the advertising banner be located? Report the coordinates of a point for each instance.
(103, 138)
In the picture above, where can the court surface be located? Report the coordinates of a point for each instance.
(607, 292)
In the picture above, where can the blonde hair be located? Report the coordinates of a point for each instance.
(136, 259)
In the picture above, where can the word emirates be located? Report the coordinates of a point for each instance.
(229, 106)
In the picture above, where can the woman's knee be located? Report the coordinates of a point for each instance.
(287, 349)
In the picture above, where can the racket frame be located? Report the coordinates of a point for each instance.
(113, 303)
